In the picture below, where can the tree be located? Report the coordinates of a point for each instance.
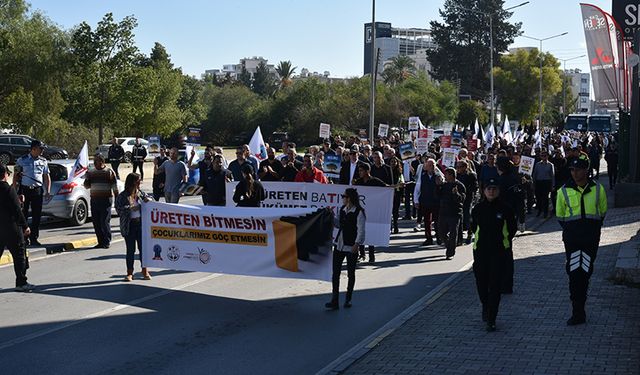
(33, 66)
(398, 69)
(462, 42)
(263, 80)
(518, 80)
(469, 111)
(244, 77)
(102, 90)
(285, 72)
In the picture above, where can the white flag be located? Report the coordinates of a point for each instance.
(506, 131)
(257, 146)
(81, 165)
(490, 135)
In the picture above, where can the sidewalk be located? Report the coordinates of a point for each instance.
(447, 335)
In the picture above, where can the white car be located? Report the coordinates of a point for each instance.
(69, 200)
(127, 144)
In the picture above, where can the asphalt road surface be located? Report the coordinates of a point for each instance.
(83, 318)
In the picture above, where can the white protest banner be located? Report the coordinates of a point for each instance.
(376, 201)
(422, 145)
(383, 130)
(449, 157)
(289, 243)
(526, 165)
(325, 131)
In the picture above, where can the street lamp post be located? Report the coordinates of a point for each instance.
(564, 81)
(490, 15)
(540, 90)
(372, 104)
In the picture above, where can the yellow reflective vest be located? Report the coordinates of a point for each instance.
(581, 210)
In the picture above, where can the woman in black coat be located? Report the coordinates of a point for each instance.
(249, 192)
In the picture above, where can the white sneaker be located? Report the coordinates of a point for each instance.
(417, 228)
(26, 288)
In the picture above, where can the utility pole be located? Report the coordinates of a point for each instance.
(372, 103)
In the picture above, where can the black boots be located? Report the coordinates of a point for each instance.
(332, 305)
(579, 316)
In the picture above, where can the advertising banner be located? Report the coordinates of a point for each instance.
(325, 131)
(376, 201)
(193, 137)
(526, 165)
(602, 55)
(288, 243)
(331, 165)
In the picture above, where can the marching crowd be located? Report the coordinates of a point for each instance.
(483, 197)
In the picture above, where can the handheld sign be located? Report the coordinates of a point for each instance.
(325, 131)
(526, 165)
(449, 157)
(154, 145)
(193, 137)
(383, 130)
(407, 151)
(331, 166)
(414, 123)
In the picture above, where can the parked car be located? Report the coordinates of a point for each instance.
(127, 144)
(14, 146)
(69, 200)
(277, 139)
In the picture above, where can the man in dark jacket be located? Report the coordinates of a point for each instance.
(495, 225)
(513, 195)
(14, 229)
(214, 181)
(138, 154)
(381, 170)
(470, 182)
(452, 194)
(115, 155)
(158, 177)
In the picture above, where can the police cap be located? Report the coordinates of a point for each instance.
(492, 182)
(581, 162)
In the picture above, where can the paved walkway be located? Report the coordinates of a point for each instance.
(448, 336)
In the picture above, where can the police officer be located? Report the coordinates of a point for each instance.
(494, 224)
(580, 207)
(138, 154)
(115, 155)
(14, 228)
(32, 180)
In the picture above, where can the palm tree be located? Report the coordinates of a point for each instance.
(398, 69)
(285, 72)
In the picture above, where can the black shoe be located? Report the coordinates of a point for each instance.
(106, 246)
(372, 260)
(506, 291)
(347, 304)
(35, 243)
(491, 327)
(333, 305)
(427, 243)
(98, 246)
(468, 241)
(576, 320)
(485, 313)
(396, 231)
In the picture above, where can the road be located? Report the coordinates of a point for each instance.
(83, 318)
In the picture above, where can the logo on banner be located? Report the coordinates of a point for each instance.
(204, 257)
(595, 22)
(173, 253)
(157, 252)
(602, 58)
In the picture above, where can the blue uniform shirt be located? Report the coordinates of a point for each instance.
(33, 170)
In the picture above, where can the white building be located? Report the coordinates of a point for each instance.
(579, 83)
(250, 63)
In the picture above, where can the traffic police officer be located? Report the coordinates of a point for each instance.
(580, 207)
(33, 179)
(494, 223)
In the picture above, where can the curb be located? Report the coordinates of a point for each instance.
(7, 258)
(359, 350)
(78, 244)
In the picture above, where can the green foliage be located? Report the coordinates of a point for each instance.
(469, 111)
(263, 81)
(285, 71)
(463, 42)
(398, 69)
(518, 82)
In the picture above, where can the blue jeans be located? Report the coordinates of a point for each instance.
(101, 217)
(134, 236)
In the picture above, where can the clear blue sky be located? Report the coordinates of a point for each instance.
(318, 35)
